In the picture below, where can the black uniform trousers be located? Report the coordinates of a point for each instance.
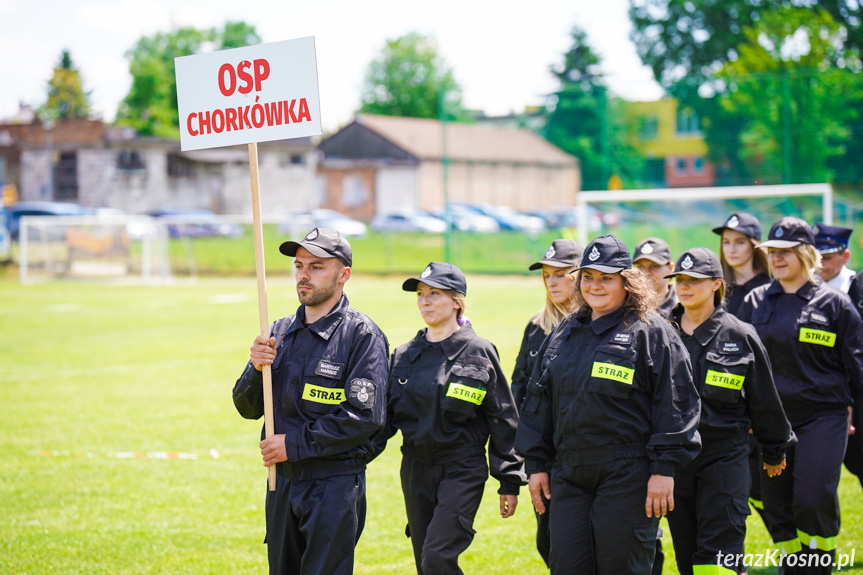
(801, 505)
(543, 535)
(598, 523)
(756, 464)
(441, 503)
(314, 525)
(854, 451)
(710, 509)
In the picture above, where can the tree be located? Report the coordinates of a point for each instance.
(66, 96)
(692, 39)
(410, 79)
(578, 119)
(151, 104)
(797, 102)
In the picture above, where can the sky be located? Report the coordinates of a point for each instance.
(500, 51)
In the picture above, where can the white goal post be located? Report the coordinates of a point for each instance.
(583, 199)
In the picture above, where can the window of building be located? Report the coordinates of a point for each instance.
(698, 165)
(687, 122)
(180, 167)
(66, 177)
(680, 165)
(648, 127)
(129, 161)
(354, 193)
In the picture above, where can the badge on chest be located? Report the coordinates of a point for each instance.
(331, 369)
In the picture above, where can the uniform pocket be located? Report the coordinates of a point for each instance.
(613, 371)
(725, 375)
(319, 393)
(464, 392)
(532, 397)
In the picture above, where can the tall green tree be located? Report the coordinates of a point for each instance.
(584, 120)
(66, 96)
(151, 104)
(409, 78)
(797, 102)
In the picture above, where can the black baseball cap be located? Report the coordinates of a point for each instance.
(653, 249)
(746, 224)
(321, 242)
(560, 254)
(787, 233)
(606, 254)
(439, 275)
(831, 239)
(697, 263)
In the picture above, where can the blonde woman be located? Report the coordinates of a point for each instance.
(561, 257)
(813, 337)
(448, 396)
(733, 378)
(611, 407)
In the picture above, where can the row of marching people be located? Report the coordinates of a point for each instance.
(640, 399)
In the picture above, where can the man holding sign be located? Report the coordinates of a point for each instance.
(329, 370)
(319, 379)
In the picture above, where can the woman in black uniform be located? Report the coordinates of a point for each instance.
(732, 374)
(559, 259)
(448, 396)
(612, 404)
(813, 336)
(744, 266)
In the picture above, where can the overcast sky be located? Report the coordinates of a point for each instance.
(500, 51)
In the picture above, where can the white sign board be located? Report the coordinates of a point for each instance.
(244, 95)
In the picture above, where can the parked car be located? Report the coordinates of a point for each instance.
(21, 209)
(567, 217)
(300, 223)
(465, 220)
(197, 224)
(408, 220)
(508, 219)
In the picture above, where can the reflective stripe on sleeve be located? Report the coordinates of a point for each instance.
(816, 541)
(789, 547)
(712, 570)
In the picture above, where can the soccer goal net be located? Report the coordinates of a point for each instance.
(118, 247)
(685, 217)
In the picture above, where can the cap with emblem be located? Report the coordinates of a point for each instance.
(653, 249)
(560, 254)
(606, 254)
(746, 224)
(831, 239)
(439, 275)
(697, 263)
(323, 243)
(787, 233)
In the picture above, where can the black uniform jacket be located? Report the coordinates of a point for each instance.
(855, 292)
(449, 399)
(329, 391)
(526, 359)
(667, 304)
(732, 374)
(737, 293)
(815, 342)
(613, 388)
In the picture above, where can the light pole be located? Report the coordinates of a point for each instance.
(48, 124)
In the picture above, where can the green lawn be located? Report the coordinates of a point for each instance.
(92, 370)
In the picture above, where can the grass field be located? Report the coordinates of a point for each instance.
(89, 371)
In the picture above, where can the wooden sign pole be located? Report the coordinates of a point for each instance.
(262, 298)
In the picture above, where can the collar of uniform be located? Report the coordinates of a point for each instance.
(326, 326)
(708, 328)
(600, 324)
(806, 292)
(451, 346)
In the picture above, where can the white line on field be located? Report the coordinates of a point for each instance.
(34, 373)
